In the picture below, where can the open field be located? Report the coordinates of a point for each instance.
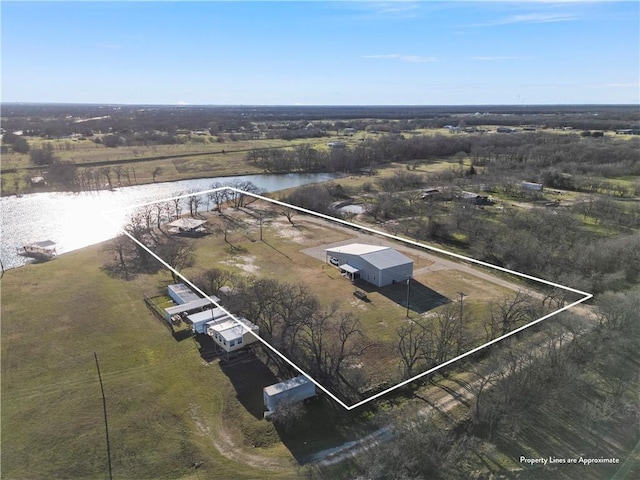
(295, 254)
(176, 411)
(53, 398)
(165, 406)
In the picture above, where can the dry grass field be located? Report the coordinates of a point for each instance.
(295, 254)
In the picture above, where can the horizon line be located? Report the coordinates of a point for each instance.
(293, 105)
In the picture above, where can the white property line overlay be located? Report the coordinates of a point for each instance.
(586, 297)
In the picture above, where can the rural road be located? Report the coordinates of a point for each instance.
(464, 394)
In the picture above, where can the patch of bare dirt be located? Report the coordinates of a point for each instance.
(222, 441)
(243, 262)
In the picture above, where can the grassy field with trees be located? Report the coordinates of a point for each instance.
(567, 388)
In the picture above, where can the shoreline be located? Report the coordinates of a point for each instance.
(10, 265)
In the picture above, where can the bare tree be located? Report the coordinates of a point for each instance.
(177, 252)
(156, 171)
(194, 203)
(504, 316)
(177, 200)
(106, 172)
(618, 311)
(213, 279)
(351, 342)
(138, 228)
(287, 413)
(218, 197)
(240, 200)
(118, 171)
(289, 213)
(412, 339)
(121, 247)
(161, 210)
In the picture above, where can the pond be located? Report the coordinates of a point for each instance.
(74, 220)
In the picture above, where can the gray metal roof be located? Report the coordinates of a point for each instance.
(192, 305)
(286, 385)
(386, 258)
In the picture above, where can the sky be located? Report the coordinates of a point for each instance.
(321, 53)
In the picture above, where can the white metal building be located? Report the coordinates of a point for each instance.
(230, 334)
(200, 320)
(181, 294)
(293, 390)
(187, 302)
(373, 263)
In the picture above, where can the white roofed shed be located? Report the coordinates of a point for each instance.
(186, 225)
(293, 390)
(199, 320)
(231, 334)
(180, 293)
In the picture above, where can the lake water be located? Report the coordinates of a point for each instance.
(74, 220)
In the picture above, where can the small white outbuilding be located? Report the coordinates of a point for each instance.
(232, 334)
(295, 389)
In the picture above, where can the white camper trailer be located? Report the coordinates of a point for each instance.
(295, 389)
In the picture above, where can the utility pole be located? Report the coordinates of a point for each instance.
(261, 226)
(408, 292)
(462, 295)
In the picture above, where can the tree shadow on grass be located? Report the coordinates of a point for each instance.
(318, 429)
(281, 253)
(248, 376)
(321, 429)
(421, 298)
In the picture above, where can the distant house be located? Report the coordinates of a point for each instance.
(430, 193)
(506, 130)
(336, 144)
(375, 264)
(475, 198)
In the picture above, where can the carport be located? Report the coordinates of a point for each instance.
(352, 272)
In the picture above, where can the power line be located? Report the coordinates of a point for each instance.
(104, 408)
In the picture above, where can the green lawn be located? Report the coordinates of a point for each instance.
(165, 405)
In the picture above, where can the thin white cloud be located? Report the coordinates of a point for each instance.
(381, 10)
(622, 85)
(398, 7)
(545, 2)
(494, 59)
(531, 18)
(404, 58)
